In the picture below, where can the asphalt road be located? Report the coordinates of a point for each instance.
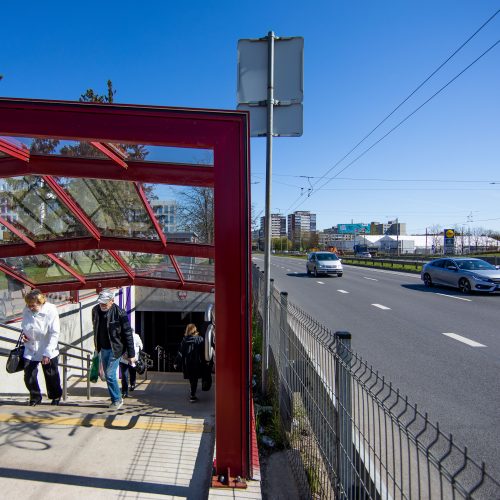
(403, 329)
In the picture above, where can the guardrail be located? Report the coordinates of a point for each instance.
(350, 434)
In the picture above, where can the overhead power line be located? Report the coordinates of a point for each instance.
(399, 105)
(401, 122)
(411, 93)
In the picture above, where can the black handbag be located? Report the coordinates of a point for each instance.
(15, 361)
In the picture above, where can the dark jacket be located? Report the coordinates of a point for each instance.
(190, 357)
(119, 331)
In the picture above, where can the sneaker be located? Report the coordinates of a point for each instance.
(124, 394)
(56, 401)
(116, 405)
(192, 399)
(132, 387)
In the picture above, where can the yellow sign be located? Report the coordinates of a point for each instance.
(450, 233)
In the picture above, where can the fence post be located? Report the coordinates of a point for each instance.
(344, 413)
(88, 376)
(266, 339)
(65, 376)
(283, 326)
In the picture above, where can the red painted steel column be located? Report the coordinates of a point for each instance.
(232, 304)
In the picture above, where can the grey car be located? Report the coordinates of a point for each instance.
(466, 274)
(323, 263)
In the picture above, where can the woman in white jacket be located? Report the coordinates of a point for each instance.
(40, 327)
(127, 368)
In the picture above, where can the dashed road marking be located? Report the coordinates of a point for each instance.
(320, 282)
(371, 279)
(453, 297)
(342, 291)
(380, 306)
(465, 340)
(288, 270)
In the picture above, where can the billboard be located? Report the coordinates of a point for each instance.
(449, 241)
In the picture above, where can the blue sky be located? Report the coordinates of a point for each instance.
(361, 59)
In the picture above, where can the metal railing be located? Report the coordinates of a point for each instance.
(350, 434)
(64, 348)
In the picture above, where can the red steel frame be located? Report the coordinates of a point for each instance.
(227, 134)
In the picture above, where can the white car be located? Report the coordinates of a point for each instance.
(323, 263)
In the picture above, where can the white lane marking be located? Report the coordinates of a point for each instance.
(387, 271)
(371, 279)
(288, 270)
(320, 282)
(342, 291)
(453, 297)
(380, 306)
(465, 340)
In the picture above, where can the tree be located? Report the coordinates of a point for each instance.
(196, 212)
(436, 237)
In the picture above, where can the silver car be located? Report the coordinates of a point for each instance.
(323, 263)
(465, 273)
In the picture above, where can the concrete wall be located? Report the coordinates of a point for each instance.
(162, 299)
(76, 328)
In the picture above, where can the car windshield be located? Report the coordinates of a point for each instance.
(474, 265)
(327, 256)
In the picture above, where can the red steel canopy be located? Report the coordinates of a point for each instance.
(85, 220)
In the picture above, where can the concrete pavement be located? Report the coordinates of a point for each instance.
(158, 445)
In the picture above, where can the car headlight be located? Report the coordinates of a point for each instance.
(480, 278)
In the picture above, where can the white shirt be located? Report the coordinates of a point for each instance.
(42, 329)
(137, 348)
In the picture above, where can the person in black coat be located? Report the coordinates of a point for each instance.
(112, 338)
(190, 358)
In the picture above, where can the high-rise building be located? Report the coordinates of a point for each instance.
(166, 214)
(278, 225)
(301, 226)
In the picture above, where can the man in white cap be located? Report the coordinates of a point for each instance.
(112, 338)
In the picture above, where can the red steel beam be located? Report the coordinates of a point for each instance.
(16, 231)
(66, 267)
(150, 212)
(20, 152)
(111, 152)
(177, 268)
(95, 283)
(108, 243)
(122, 263)
(72, 206)
(7, 270)
(96, 168)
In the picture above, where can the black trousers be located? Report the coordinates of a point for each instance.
(126, 369)
(193, 380)
(51, 375)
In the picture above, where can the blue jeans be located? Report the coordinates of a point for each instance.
(110, 366)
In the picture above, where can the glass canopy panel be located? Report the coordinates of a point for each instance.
(113, 206)
(197, 269)
(150, 265)
(89, 263)
(35, 210)
(129, 152)
(6, 236)
(38, 269)
(185, 213)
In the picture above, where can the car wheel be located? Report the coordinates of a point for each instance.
(339, 275)
(308, 272)
(464, 286)
(427, 280)
(315, 272)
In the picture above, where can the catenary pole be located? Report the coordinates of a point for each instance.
(267, 229)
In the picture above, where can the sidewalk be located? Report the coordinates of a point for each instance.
(158, 445)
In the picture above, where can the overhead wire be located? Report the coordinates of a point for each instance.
(402, 121)
(310, 193)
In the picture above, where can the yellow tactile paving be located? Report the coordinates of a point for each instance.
(93, 421)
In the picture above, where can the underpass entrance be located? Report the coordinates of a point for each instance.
(162, 332)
